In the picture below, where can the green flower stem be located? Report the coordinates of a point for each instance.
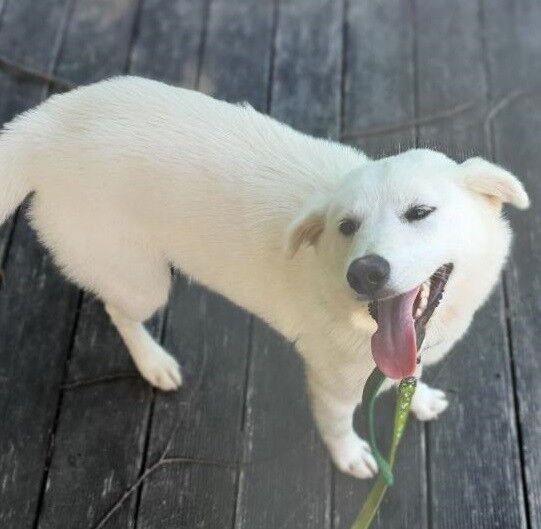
(406, 389)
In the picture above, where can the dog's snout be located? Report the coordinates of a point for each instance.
(366, 275)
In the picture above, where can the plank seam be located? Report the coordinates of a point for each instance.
(56, 420)
(424, 432)
(343, 69)
(203, 43)
(516, 402)
(272, 53)
(247, 372)
(244, 411)
(148, 427)
(9, 243)
(3, 4)
(136, 24)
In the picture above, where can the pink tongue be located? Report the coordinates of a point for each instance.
(394, 344)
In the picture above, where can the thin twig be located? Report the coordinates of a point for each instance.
(423, 120)
(163, 459)
(30, 73)
(506, 101)
(148, 472)
(98, 380)
(510, 98)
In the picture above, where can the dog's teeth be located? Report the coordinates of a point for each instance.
(423, 303)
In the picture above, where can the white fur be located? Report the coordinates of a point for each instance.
(131, 175)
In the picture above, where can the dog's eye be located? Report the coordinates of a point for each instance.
(418, 213)
(348, 227)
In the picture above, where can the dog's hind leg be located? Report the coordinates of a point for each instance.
(153, 362)
(109, 255)
(132, 299)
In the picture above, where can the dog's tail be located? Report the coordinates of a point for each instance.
(13, 186)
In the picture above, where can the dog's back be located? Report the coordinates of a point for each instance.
(132, 174)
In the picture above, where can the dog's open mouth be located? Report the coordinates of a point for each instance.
(402, 324)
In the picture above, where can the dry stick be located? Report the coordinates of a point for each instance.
(162, 459)
(423, 120)
(501, 105)
(150, 470)
(26, 71)
(98, 380)
(492, 112)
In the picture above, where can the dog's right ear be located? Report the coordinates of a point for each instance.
(494, 183)
(306, 228)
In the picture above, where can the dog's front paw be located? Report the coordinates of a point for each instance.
(352, 456)
(428, 402)
(160, 369)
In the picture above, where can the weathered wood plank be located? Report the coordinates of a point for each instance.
(36, 306)
(474, 469)
(100, 438)
(286, 479)
(308, 66)
(210, 336)
(379, 74)
(449, 80)
(238, 51)
(379, 91)
(514, 60)
(168, 41)
(32, 33)
(98, 40)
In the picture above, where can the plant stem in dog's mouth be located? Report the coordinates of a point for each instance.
(402, 324)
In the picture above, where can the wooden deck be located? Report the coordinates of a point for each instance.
(86, 444)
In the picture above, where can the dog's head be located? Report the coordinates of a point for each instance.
(418, 238)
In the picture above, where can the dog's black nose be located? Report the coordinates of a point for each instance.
(366, 275)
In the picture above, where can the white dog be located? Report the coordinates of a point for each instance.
(131, 175)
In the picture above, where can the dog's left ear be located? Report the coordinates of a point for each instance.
(306, 228)
(495, 183)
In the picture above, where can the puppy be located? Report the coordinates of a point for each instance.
(130, 176)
